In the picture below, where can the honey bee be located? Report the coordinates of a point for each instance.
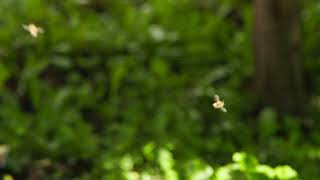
(218, 104)
(33, 29)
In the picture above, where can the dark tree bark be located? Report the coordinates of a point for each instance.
(278, 70)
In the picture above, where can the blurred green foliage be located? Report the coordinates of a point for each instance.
(123, 89)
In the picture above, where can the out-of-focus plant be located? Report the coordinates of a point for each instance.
(247, 167)
(244, 166)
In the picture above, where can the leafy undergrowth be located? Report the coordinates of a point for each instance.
(84, 99)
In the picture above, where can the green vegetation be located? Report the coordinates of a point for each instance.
(120, 89)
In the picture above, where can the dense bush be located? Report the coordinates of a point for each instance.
(123, 88)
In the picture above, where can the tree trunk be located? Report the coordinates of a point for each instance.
(278, 70)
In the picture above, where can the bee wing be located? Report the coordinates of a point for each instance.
(25, 27)
(40, 30)
(223, 109)
(216, 98)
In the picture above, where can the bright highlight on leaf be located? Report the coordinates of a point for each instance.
(7, 177)
(4, 149)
